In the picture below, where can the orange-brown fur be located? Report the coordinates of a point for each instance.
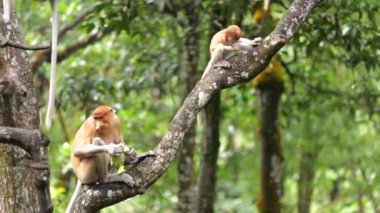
(221, 41)
(97, 139)
(103, 123)
(227, 37)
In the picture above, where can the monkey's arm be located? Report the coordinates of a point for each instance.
(88, 150)
(242, 42)
(216, 55)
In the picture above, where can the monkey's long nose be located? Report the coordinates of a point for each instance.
(97, 126)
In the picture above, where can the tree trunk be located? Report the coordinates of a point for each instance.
(269, 95)
(210, 149)
(309, 153)
(24, 181)
(186, 153)
(305, 181)
(206, 182)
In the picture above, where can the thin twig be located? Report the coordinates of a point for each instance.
(65, 28)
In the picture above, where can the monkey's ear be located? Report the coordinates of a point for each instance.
(114, 110)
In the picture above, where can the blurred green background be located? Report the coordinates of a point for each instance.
(135, 62)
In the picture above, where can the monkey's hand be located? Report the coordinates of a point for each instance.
(115, 149)
(98, 141)
(130, 157)
(118, 160)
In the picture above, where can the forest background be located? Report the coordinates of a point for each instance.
(143, 58)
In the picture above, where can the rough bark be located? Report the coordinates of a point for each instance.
(269, 95)
(210, 150)
(206, 182)
(185, 169)
(244, 64)
(23, 138)
(186, 162)
(24, 181)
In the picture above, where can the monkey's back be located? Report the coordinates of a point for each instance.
(218, 38)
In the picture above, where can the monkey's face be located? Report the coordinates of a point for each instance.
(232, 37)
(101, 125)
(107, 123)
(233, 34)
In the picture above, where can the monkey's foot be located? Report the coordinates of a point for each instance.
(127, 179)
(257, 41)
(123, 178)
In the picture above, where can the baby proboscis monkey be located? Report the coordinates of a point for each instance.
(220, 41)
(225, 40)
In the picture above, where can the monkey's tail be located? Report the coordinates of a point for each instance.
(7, 8)
(74, 197)
(53, 63)
(215, 56)
(209, 66)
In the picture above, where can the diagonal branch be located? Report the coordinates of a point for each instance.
(243, 65)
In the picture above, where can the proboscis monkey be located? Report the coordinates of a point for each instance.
(220, 41)
(224, 40)
(97, 139)
(53, 62)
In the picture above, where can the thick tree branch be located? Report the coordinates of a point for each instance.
(28, 140)
(238, 67)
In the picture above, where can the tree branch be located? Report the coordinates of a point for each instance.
(43, 56)
(28, 140)
(5, 42)
(79, 18)
(239, 66)
(9, 43)
(90, 39)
